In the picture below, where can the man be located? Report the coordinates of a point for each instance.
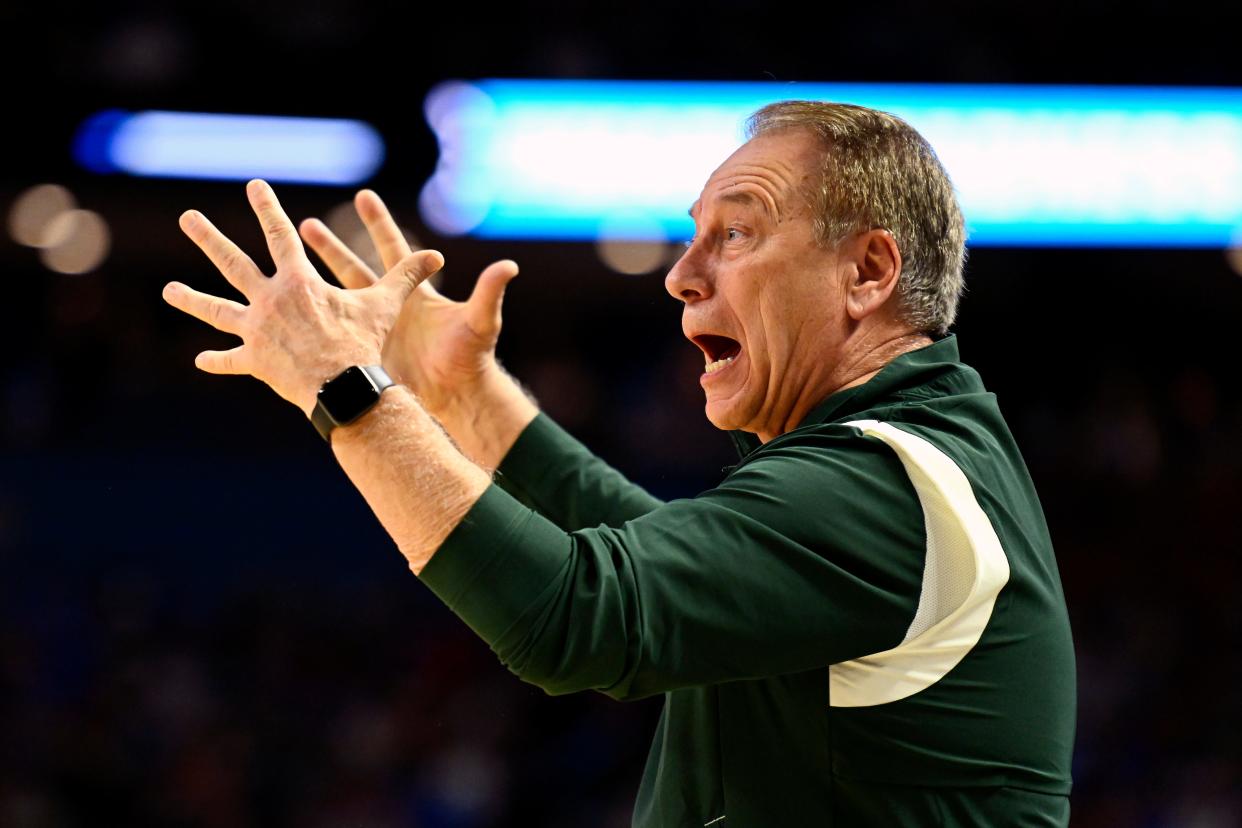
(861, 625)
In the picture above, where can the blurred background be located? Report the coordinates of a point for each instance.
(201, 623)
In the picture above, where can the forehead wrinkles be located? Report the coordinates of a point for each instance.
(769, 183)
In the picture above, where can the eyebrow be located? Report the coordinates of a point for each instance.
(742, 197)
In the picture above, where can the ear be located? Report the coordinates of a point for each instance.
(877, 268)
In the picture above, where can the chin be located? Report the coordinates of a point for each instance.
(723, 415)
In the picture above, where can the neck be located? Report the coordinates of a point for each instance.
(873, 359)
(859, 362)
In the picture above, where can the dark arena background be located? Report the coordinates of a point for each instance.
(202, 624)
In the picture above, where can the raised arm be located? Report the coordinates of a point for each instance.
(808, 555)
(554, 474)
(823, 541)
(445, 352)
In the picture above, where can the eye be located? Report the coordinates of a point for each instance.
(733, 234)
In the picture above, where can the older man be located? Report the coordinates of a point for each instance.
(861, 625)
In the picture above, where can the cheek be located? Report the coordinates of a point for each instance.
(784, 333)
(772, 321)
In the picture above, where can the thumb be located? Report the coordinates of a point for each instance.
(483, 307)
(413, 269)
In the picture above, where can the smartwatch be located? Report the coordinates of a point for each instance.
(348, 396)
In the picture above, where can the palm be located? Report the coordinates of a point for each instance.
(432, 347)
(438, 347)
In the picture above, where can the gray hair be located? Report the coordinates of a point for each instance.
(879, 172)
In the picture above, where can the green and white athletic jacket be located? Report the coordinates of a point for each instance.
(862, 625)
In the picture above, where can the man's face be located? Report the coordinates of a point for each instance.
(763, 299)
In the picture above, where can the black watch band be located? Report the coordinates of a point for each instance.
(348, 396)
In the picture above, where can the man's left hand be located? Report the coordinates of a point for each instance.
(297, 330)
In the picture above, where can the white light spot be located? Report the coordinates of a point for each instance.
(632, 243)
(34, 210)
(82, 241)
(632, 258)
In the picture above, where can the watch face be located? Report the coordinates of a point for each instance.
(349, 395)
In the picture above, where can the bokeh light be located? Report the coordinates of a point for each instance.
(79, 241)
(34, 211)
(1033, 165)
(213, 145)
(633, 258)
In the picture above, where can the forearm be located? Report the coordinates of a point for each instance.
(417, 483)
(553, 473)
(487, 419)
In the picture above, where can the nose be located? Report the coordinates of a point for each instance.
(688, 281)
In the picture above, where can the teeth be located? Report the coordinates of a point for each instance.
(713, 367)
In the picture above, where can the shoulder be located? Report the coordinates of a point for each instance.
(825, 479)
(816, 453)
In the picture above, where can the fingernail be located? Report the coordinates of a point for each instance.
(189, 217)
(170, 289)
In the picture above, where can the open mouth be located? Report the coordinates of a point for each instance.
(719, 351)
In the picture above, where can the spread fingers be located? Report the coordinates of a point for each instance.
(222, 314)
(350, 270)
(229, 259)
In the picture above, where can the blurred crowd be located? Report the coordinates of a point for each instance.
(201, 624)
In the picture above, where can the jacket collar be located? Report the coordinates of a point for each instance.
(914, 373)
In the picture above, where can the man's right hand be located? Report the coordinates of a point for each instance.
(445, 351)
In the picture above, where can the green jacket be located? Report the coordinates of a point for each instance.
(863, 624)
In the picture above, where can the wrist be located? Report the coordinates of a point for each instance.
(486, 417)
(327, 372)
(347, 396)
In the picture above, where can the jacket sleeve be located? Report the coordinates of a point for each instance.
(554, 474)
(809, 554)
